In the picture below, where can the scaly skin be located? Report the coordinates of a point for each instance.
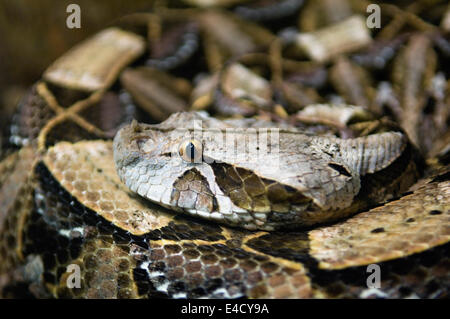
(303, 179)
(66, 207)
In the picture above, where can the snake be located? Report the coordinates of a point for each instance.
(270, 203)
(302, 180)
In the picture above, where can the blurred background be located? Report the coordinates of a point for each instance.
(34, 33)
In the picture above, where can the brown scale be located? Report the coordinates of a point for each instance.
(31, 116)
(202, 269)
(248, 191)
(191, 184)
(15, 206)
(107, 271)
(10, 239)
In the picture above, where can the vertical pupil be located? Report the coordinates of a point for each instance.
(190, 151)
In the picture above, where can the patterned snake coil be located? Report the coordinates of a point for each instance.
(356, 170)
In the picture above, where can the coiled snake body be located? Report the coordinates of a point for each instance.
(293, 203)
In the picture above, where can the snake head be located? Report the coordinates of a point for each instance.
(249, 177)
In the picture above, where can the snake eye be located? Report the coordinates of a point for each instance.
(191, 151)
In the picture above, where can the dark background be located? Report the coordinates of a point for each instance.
(34, 33)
